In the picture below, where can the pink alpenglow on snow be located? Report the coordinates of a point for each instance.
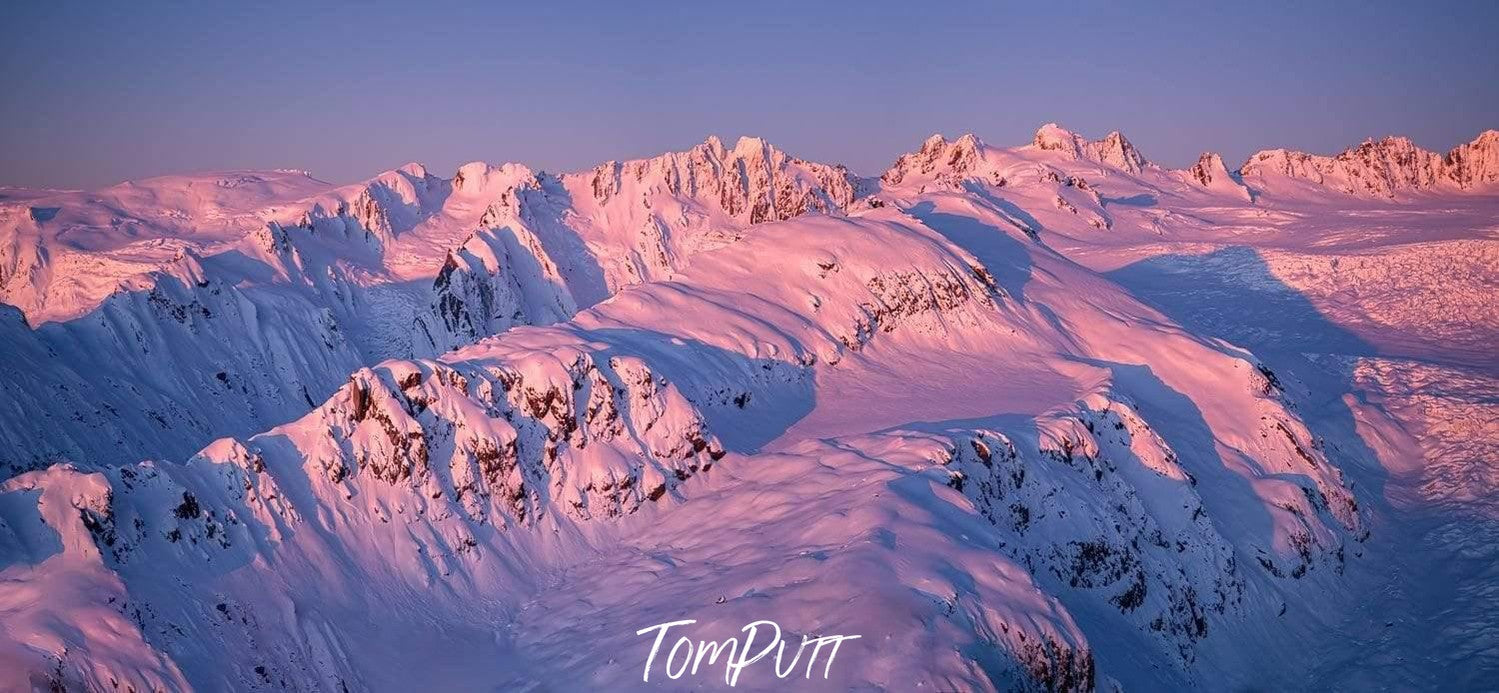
(1054, 416)
(736, 660)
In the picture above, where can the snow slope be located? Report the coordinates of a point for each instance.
(1050, 417)
(262, 291)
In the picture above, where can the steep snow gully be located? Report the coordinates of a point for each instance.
(1047, 417)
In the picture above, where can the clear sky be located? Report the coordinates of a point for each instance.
(95, 93)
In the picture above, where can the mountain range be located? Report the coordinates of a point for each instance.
(1048, 417)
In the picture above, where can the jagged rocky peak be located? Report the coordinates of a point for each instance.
(1385, 166)
(746, 147)
(950, 162)
(1209, 168)
(752, 182)
(1210, 172)
(1476, 162)
(500, 277)
(413, 470)
(1287, 162)
(713, 144)
(501, 433)
(1055, 138)
(1114, 149)
(1394, 159)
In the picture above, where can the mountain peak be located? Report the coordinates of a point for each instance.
(713, 144)
(1209, 168)
(948, 162)
(1053, 137)
(1385, 165)
(413, 168)
(750, 146)
(752, 182)
(1117, 150)
(474, 169)
(1486, 138)
(473, 175)
(1391, 145)
(1114, 149)
(745, 147)
(1476, 162)
(1209, 172)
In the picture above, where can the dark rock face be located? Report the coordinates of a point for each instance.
(753, 182)
(1475, 163)
(1207, 168)
(600, 437)
(1077, 513)
(1114, 149)
(952, 162)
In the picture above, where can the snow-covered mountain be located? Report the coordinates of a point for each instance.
(1046, 417)
(260, 292)
(1384, 167)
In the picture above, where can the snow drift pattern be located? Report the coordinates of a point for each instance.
(509, 412)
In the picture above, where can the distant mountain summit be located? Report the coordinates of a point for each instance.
(1114, 149)
(1475, 163)
(1383, 167)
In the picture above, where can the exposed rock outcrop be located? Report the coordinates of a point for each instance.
(1113, 150)
(1386, 166)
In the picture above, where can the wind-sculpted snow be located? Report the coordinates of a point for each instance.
(499, 278)
(265, 290)
(413, 470)
(1050, 417)
(188, 355)
(1023, 541)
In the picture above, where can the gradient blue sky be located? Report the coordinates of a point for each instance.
(95, 93)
